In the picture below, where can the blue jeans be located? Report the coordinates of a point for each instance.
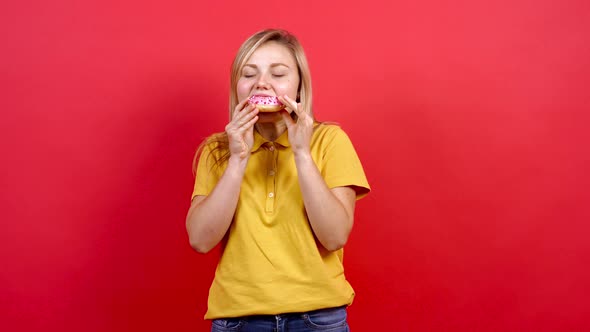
(327, 320)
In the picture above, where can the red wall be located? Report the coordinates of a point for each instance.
(470, 118)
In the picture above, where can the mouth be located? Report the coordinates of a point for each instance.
(266, 103)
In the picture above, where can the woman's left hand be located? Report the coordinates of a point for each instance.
(299, 131)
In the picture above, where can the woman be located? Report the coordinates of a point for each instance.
(278, 190)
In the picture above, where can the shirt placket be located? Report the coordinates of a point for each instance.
(271, 178)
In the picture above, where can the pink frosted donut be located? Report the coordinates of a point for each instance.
(266, 103)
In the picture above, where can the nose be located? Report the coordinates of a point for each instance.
(262, 82)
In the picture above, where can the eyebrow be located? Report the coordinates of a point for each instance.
(275, 64)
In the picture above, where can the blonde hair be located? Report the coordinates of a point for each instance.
(219, 141)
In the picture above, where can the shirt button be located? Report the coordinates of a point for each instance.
(271, 195)
(271, 148)
(271, 173)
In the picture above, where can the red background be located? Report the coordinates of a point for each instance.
(469, 116)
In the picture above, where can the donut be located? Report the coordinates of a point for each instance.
(266, 103)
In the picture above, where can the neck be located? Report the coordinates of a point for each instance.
(271, 131)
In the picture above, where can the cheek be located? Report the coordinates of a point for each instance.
(243, 89)
(289, 88)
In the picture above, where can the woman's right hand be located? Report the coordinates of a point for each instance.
(240, 130)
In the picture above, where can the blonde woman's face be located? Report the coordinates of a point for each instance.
(271, 70)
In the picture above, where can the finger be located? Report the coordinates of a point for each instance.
(243, 112)
(292, 105)
(289, 103)
(245, 117)
(250, 124)
(242, 103)
(287, 118)
(242, 120)
(241, 106)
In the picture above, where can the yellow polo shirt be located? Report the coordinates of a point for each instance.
(272, 262)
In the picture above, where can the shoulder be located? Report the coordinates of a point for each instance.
(213, 151)
(215, 142)
(328, 130)
(329, 133)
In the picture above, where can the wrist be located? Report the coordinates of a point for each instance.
(237, 164)
(302, 156)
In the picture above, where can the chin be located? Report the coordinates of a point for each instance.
(269, 117)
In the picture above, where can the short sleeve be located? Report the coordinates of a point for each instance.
(338, 161)
(207, 174)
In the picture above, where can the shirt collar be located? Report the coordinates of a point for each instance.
(282, 140)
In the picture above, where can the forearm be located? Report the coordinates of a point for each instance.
(209, 218)
(330, 220)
